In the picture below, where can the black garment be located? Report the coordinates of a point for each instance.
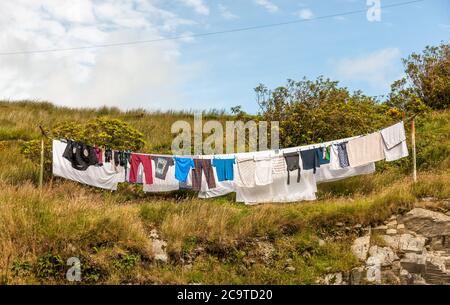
(116, 158)
(68, 152)
(124, 158)
(293, 163)
(108, 155)
(310, 159)
(80, 155)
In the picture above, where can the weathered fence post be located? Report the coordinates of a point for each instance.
(41, 169)
(413, 143)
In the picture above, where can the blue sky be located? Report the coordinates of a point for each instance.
(206, 72)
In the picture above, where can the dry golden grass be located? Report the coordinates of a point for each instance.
(110, 231)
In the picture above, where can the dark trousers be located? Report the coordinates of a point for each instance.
(202, 165)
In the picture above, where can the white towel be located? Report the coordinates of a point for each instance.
(279, 165)
(326, 174)
(394, 139)
(263, 169)
(98, 176)
(245, 175)
(393, 135)
(366, 149)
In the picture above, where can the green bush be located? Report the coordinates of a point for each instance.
(314, 111)
(49, 265)
(112, 133)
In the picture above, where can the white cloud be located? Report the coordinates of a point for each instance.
(226, 13)
(377, 69)
(198, 5)
(305, 14)
(269, 6)
(129, 76)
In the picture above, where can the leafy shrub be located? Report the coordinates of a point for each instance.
(126, 261)
(49, 265)
(314, 111)
(112, 133)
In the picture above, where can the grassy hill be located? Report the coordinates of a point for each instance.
(208, 241)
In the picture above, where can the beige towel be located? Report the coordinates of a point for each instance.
(366, 149)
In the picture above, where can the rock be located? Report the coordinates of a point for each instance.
(427, 223)
(357, 275)
(159, 251)
(390, 277)
(158, 247)
(265, 251)
(405, 277)
(373, 269)
(391, 231)
(418, 279)
(392, 224)
(409, 243)
(401, 229)
(391, 241)
(405, 242)
(333, 279)
(385, 255)
(428, 199)
(321, 242)
(437, 243)
(380, 229)
(413, 263)
(290, 269)
(154, 234)
(360, 247)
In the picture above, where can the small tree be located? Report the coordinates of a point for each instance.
(314, 111)
(426, 83)
(112, 133)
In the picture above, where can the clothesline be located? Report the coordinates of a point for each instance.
(255, 177)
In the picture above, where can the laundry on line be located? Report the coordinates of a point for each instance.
(255, 177)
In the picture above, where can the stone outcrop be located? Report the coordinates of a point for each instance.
(427, 223)
(409, 249)
(158, 247)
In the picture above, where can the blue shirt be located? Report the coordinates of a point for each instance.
(182, 168)
(224, 169)
(320, 151)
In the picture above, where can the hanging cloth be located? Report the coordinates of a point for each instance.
(292, 164)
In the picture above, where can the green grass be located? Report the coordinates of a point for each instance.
(109, 232)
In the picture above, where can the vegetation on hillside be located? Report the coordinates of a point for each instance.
(212, 240)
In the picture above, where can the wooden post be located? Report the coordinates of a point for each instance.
(413, 143)
(41, 169)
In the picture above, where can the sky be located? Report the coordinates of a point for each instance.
(214, 71)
